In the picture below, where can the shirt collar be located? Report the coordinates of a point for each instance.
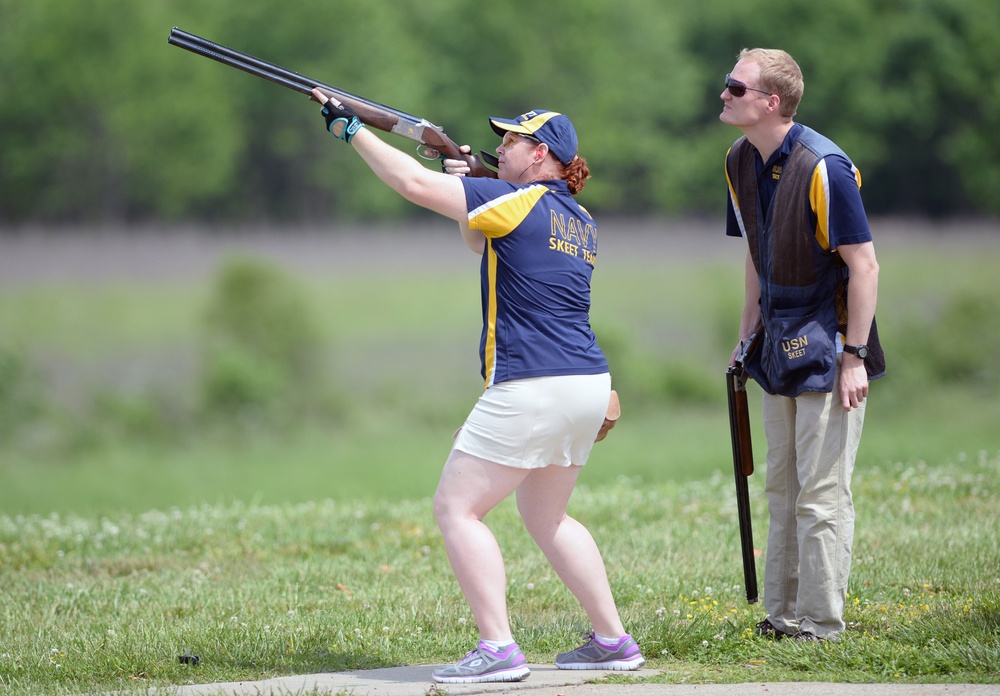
(788, 144)
(791, 138)
(783, 151)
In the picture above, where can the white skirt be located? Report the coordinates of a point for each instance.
(532, 423)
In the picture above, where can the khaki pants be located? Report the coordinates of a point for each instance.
(811, 447)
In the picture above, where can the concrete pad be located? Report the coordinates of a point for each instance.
(403, 681)
(546, 680)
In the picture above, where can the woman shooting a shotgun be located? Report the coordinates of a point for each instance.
(547, 381)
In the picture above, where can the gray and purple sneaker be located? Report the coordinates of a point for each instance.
(485, 665)
(623, 656)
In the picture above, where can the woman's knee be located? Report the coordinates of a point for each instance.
(541, 524)
(453, 506)
(444, 507)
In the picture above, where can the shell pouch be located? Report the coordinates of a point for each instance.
(797, 353)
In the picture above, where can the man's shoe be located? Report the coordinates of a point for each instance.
(766, 629)
(485, 665)
(623, 656)
(807, 637)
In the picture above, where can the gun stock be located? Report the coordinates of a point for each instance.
(384, 118)
(739, 430)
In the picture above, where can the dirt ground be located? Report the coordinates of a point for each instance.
(36, 255)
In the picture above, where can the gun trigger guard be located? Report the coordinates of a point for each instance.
(421, 149)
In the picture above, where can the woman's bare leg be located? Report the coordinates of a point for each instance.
(469, 488)
(568, 545)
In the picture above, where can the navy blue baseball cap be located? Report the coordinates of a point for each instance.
(549, 127)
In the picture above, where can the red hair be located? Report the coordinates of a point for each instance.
(576, 174)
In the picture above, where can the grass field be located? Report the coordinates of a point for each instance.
(292, 550)
(95, 603)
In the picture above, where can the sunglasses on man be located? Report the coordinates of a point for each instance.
(738, 89)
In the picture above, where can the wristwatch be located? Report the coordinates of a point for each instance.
(860, 351)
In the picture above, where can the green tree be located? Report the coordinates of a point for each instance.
(92, 126)
(103, 121)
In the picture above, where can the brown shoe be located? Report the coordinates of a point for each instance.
(766, 629)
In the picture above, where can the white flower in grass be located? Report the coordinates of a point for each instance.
(462, 621)
(530, 586)
(704, 643)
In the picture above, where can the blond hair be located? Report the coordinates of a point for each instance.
(779, 74)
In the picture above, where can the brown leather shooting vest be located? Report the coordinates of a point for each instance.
(800, 281)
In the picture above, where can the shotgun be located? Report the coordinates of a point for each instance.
(380, 116)
(739, 430)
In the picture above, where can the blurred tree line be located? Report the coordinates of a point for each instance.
(102, 121)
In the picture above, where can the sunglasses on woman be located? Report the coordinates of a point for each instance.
(738, 89)
(510, 138)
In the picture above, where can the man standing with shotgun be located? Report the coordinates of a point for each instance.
(811, 287)
(547, 382)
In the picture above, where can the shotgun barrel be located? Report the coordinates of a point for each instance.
(380, 116)
(739, 430)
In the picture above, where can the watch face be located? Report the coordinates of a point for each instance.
(862, 352)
